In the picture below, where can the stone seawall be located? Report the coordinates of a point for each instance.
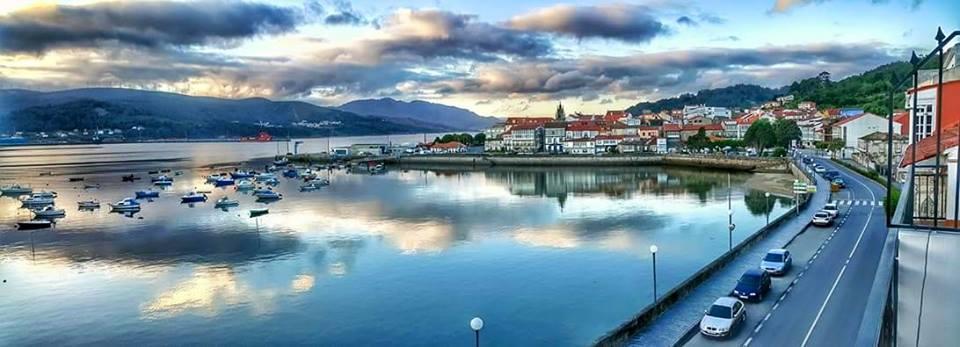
(715, 162)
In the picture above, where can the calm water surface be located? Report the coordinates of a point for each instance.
(550, 257)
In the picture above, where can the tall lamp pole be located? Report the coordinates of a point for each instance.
(476, 324)
(653, 250)
(766, 197)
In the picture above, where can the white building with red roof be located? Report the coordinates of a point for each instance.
(850, 129)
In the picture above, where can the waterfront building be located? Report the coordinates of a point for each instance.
(449, 147)
(582, 130)
(607, 143)
(851, 129)
(553, 135)
(368, 149)
(494, 144)
(525, 138)
(712, 131)
(494, 131)
(585, 145)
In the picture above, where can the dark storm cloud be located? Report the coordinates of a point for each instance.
(677, 70)
(345, 14)
(631, 23)
(144, 24)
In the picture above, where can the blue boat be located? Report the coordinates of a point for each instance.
(242, 174)
(147, 194)
(291, 173)
(193, 197)
(268, 196)
(223, 182)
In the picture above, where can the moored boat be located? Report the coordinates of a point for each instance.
(37, 201)
(34, 224)
(268, 196)
(245, 185)
(89, 204)
(49, 212)
(16, 189)
(126, 205)
(265, 176)
(257, 212)
(211, 178)
(242, 174)
(44, 194)
(193, 197)
(161, 178)
(75, 179)
(226, 202)
(224, 181)
(147, 194)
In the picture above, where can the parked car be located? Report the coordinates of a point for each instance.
(807, 161)
(819, 169)
(777, 262)
(830, 175)
(723, 318)
(822, 219)
(753, 285)
(832, 209)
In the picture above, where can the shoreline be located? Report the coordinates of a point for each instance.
(776, 165)
(218, 140)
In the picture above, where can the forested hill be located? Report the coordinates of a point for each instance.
(736, 96)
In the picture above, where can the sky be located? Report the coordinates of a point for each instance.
(494, 57)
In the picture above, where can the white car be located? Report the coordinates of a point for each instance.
(822, 219)
(819, 169)
(777, 261)
(832, 209)
(723, 317)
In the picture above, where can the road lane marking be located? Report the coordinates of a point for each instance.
(749, 340)
(842, 270)
(758, 328)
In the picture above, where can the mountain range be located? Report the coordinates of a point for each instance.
(423, 111)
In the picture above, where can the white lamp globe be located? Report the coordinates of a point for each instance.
(653, 249)
(476, 324)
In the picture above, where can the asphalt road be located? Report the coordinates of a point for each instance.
(820, 302)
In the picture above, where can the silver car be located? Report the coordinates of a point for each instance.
(777, 261)
(822, 219)
(832, 209)
(723, 317)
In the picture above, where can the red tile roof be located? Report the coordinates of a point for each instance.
(528, 120)
(927, 147)
(525, 126)
(848, 120)
(609, 137)
(671, 127)
(448, 145)
(583, 126)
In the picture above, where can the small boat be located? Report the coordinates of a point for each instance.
(245, 185)
(37, 201)
(91, 186)
(163, 183)
(193, 197)
(268, 196)
(125, 205)
(223, 181)
(271, 181)
(213, 178)
(44, 194)
(291, 173)
(146, 194)
(75, 179)
(16, 189)
(161, 178)
(226, 202)
(257, 212)
(130, 178)
(308, 188)
(88, 204)
(34, 224)
(49, 212)
(242, 174)
(265, 176)
(178, 173)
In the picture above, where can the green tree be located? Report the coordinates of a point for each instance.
(479, 139)
(786, 131)
(760, 135)
(699, 140)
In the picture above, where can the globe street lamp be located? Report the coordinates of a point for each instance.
(767, 206)
(653, 250)
(476, 324)
(730, 227)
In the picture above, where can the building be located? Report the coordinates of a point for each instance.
(785, 99)
(648, 145)
(698, 120)
(671, 136)
(494, 131)
(872, 151)
(582, 130)
(850, 112)
(607, 143)
(368, 149)
(580, 146)
(553, 135)
(807, 106)
(493, 144)
(646, 132)
(851, 129)
(712, 130)
(705, 111)
(449, 147)
(524, 138)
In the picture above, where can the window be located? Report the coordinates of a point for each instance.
(720, 311)
(773, 257)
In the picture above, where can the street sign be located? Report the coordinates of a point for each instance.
(799, 187)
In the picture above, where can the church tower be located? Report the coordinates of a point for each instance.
(561, 116)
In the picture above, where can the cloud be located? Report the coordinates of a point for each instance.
(345, 15)
(662, 73)
(781, 6)
(685, 20)
(412, 35)
(606, 101)
(630, 23)
(145, 24)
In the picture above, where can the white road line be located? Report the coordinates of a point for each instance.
(757, 330)
(842, 270)
(749, 340)
(775, 307)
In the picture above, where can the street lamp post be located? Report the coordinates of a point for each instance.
(476, 324)
(730, 227)
(766, 200)
(653, 250)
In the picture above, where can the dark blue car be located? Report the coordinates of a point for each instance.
(753, 285)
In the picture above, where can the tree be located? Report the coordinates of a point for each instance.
(760, 135)
(479, 139)
(700, 140)
(786, 131)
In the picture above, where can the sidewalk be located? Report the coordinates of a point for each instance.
(671, 326)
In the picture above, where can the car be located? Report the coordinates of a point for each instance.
(777, 262)
(832, 209)
(839, 182)
(808, 161)
(753, 285)
(830, 175)
(822, 219)
(723, 318)
(819, 169)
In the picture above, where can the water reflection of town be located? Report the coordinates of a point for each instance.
(611, 182)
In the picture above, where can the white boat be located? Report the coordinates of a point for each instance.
(245, 185)
(125, 205)
(37, 201)
(16, 189)
(226, 202)
(308, 188)
(163, 183)
(270, 181)
(268, 196)
(44, 194)
(161, 178)
(266, 176)
(89, 204)
(49, 212)
(213, 178)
